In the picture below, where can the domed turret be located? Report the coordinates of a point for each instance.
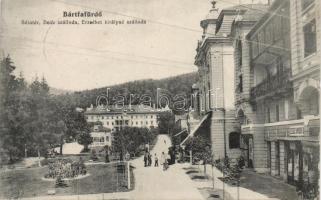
(209, 23)
(213, 14)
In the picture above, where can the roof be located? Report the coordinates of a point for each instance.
(253, 12)
(265, 16)
(121, 109)
(100, 128)
(243, 12)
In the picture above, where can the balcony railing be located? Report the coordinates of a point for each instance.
(276, 84)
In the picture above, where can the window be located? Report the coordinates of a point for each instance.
(107, 123)
(136, 123)
(310, 39)
(151, 116)
(151, 122)
(277, 114)
(146, 123)
(306, 3)
(241, 83)
(268, 118)
(102, 117)
(107, 138)
(298, 113)
(286, 109)
(234, 140)
(239, 49)
(279, 66)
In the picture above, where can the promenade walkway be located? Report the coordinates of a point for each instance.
(150, 182)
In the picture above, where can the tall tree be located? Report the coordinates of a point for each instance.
(12, 106)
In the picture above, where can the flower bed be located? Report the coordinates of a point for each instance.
(65, 168)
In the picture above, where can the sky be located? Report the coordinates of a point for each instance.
(78, 57)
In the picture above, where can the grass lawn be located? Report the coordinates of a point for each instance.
(28, 182)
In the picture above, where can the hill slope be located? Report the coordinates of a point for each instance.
(134, 90)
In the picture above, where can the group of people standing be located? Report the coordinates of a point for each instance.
(148, 160)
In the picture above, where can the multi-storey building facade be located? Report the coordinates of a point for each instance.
(277, 91)
(126, 116)
(276, 81)
(215, 89)
(245, 112)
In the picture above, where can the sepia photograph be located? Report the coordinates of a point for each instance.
(160, 99)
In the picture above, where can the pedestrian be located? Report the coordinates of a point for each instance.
(156, 161)
(164, 161)
(145, 159)
(149, 159)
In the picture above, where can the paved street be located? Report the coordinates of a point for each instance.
(154, 183)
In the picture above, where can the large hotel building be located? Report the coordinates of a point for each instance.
(116, 118)
(113, 118)
(274, 122)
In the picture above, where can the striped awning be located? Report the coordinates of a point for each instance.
(177, 134)
(195, 129)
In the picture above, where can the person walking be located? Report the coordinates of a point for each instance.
(149, 159)
(145, 159)
(164, 161)
(156, 161)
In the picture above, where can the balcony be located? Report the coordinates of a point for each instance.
(274, 85)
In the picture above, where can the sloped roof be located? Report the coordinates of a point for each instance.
(121, 109)
(243, 12)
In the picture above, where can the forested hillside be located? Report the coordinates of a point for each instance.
(170, 86)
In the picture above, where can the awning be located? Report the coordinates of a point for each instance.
(180, 132)
(195, 129)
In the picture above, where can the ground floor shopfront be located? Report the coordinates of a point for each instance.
(287, 150)
(296, 162)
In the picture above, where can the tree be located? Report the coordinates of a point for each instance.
(85, 139)
(131, 139)
(13, 106)
(166, 122)
(201, 149)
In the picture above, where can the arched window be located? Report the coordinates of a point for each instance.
(239, 49)
(234, 140)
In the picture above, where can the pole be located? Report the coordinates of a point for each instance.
(128, 174)
(238, 189)
(223, 182)
(39, 163)
(213, 177)
(190, 157)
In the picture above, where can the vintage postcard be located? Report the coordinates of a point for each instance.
(160, 99)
